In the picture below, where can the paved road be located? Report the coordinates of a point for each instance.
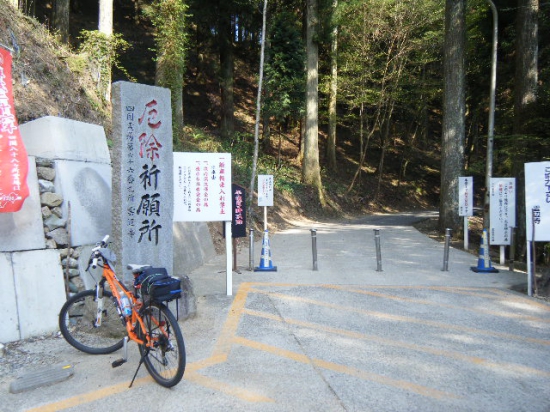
(344, 338)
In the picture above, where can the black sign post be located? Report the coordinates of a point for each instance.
(238, 221)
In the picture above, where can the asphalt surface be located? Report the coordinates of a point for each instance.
(345, 337)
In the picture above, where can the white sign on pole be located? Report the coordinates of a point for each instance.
(265, 190)
(537, 201)
(502, 197)
(202, 193)
(202, 187)
(466, 196)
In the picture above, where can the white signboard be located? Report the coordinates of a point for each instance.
(265, 190)
(537, 201)
(466, 196)
(502, 198)
(202, 187)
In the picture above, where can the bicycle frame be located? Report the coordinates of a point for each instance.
(115, 285)
(88, 320)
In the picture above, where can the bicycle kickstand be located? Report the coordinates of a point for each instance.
(146, 352)
(124, 358)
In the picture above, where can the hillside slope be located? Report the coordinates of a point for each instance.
(43, 83)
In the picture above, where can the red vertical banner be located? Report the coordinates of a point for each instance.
(13, 156)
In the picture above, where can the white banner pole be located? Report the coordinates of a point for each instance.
(265, 218)
(228, 256)
(466, 234)
(529, 270)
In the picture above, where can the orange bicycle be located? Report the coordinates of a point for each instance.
(101, 320)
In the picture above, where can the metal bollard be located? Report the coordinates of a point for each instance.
(446, 250)
(251, 250)
(378, 251)
(314, 247)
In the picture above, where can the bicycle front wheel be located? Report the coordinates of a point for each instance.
(165, 361)
(77, 323)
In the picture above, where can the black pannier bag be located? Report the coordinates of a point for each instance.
(158, 285)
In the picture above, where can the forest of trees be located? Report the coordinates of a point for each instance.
(407, 73)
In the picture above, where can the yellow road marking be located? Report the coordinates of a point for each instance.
(433, 303)
(531, 301)
(223, 344)
(216, 385)
(90, 396)
(358, 373)
(205, 363)
(373, 338)
(489, 293)
(406, 319)
(228, 337)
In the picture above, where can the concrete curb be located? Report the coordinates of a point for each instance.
(42, 377)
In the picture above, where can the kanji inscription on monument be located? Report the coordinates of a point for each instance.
(142, 175)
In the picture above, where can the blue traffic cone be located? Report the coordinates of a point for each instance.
(266, 264)
(484, 261)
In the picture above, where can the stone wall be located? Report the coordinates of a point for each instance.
(56, 225)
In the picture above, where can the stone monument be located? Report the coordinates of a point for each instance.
(142, 189)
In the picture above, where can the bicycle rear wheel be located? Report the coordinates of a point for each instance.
(165, 361)
(77, 323)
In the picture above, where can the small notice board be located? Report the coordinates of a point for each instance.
(202, 187)
(265, 190)
(202, 193)
(502, 196)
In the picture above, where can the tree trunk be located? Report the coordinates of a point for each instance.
(169, 19)
(300, 156)
(331, 143)
(169, 75)
(266, 132)
(266, 117)
(106, 27)
(105, 16)
(61, 19)
(453, 114)
(385, 135)
(311, 171)
(227, 126)
(526, 76)
(525, 94)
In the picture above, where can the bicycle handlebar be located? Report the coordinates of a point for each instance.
(96, 252)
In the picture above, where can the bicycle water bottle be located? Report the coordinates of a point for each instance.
(125, 305)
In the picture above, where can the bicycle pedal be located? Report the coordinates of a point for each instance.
(118, 362)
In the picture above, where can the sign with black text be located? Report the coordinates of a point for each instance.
(466, 196)
(238, 224)
(202, 187)
(265, 190)
(502, 197)
(537, 201)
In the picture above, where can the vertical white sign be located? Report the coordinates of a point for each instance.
(466, 196)
(265, 190)
(502, 198)
(537, 200)
(202, 187)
